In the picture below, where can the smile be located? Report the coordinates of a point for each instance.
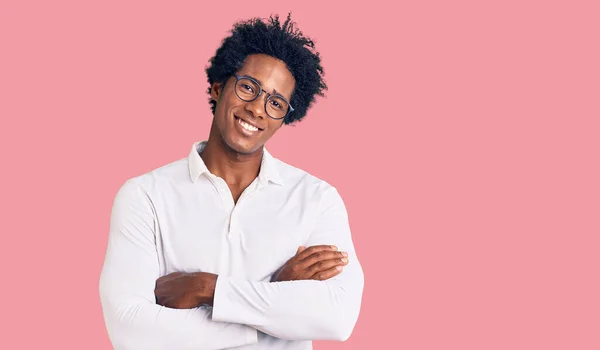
(246, 125)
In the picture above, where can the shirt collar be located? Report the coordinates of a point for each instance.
(268, 167)
(195, 163)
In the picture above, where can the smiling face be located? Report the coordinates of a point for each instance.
(245, 127)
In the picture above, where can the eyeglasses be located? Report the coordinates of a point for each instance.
(248, 89)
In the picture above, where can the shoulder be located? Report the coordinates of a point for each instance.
(299, 179)
(158, 178)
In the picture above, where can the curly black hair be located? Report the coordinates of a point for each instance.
(281, 41)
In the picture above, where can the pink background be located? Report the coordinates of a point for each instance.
(463, 136)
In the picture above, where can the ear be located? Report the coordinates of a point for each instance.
(215, 91)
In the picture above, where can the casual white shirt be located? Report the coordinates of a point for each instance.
(180, 217)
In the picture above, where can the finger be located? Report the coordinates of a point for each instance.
(327, 274)
(315, 249)
(322, 255)
(300, 249)
(324, 265)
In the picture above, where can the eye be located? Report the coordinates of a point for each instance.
(247, 88)
(275, 104)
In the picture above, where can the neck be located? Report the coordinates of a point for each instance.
(234, 168)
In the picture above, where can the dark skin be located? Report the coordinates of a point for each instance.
(235, 154)
(179, 290)
(319, 263)
(231, 153)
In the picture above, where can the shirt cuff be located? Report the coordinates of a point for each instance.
(223, 311)
(242, 302)
(223, 307)
(251, 335)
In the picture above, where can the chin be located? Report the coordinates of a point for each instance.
(238, 146)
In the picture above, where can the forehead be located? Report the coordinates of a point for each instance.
(271, 72)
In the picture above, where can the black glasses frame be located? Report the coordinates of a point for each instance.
(260, 91)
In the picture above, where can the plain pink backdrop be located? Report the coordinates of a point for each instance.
(463, 136)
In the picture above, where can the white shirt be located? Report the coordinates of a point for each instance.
(180, 217)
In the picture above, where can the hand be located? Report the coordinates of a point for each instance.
(180, 290)
(320, 262)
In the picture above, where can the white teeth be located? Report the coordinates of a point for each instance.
(247, 126)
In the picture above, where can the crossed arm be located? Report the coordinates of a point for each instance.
(294, 310)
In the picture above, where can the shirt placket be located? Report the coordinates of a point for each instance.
(236, 231)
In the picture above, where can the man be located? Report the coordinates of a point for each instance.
(231, 247)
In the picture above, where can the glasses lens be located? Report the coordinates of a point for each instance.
(277, 107)
(246, 89)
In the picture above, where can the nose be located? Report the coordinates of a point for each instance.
(257, 107)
